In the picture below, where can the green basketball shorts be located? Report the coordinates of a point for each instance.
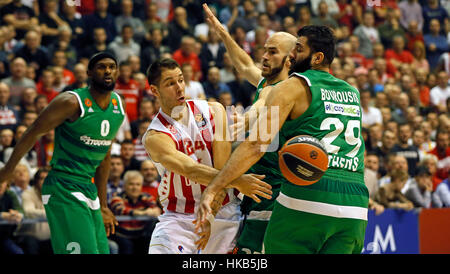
(293, 231)
(73, 213)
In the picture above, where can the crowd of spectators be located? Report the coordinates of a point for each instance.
(396, 52)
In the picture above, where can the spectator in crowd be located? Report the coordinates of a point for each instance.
(139, 150)
(30, 159)
(153, 21)
(430, 161)
(73, 18)
(367, 34)
(146, 112)
(12, 212)
(213, 86)
(194, 89)
(9, 117)
(420, 56)
(370, 115)
(134, 236)
(127, 154)
(442, 152)
(20, 16)
(391, 196)
(390, 28)
(35, 238)
(440, 93)
(33, 53)
(433, 10)
(435, 43)
(428, 143)
(27, 101)
(60, 60)
(126, 18)
(402, 147)
(398, 55)
(50, 22)
(241, 90)
(151, 178)
(101, 18)
(18, 82)
(20, 181)
(44, 148)
(79, 72)
(401, 108)
(304, 17)
(371, 181)
(324, 17)
(125, 46)
(410, 11)
(6, 141)
(98, 43)
(289, 9)
(154, 49)
(413, 34)
(212, 53)
(419, 192)
(227, 71)
(186, 54)
(115, 182)
(249, 20)
(396, 162)
(388, 141)
(441, 197)
(128, 88)
(230, 12)
(178, 28)
(45, 86)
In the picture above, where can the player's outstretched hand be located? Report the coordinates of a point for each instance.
(204, 208)
(252, 186)
(204, 234)
(214, 22)
(109, 221)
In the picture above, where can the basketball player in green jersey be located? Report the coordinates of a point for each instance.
(74, 193)
(329, 216)
(275, 68)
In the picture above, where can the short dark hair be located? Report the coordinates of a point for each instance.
(155, 69)
(320, 39)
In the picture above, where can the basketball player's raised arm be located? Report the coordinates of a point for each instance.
(240, 59)
(279, 104)
(62, 107)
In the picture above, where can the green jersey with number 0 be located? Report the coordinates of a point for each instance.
(81, 146)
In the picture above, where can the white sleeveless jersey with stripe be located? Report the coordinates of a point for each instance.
(177, 193)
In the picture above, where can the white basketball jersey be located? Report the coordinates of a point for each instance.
(177, 193)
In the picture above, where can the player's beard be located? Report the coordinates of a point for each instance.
(301, 66)
(275, 71)
(101, 86)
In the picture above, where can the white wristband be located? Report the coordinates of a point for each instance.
(240, 196)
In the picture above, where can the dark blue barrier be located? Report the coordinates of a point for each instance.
(392, 232)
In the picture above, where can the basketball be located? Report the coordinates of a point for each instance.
(303, 160)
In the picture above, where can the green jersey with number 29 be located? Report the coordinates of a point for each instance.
(81, 146)
(334, 117)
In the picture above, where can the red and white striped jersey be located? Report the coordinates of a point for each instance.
(177, 193)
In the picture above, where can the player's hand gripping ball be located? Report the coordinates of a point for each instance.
(303, 160)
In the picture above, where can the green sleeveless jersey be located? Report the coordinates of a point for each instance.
(81, 146)
(333, 117)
